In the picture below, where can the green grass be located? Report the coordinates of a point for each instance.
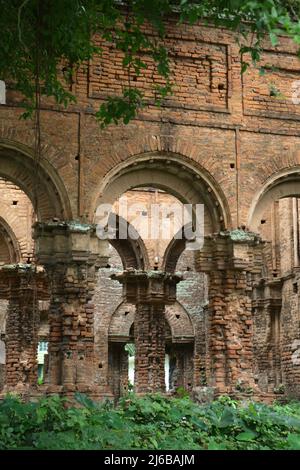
(152, 422)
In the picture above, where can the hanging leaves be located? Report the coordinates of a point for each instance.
(61, 32)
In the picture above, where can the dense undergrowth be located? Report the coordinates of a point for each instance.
(152, 422)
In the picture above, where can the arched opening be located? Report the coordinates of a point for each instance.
(43, 338)
(170, 173)
(282, 185)
(24, 183)
(142, 185)
(275, 215)
(185, 330)
(16, 246)
(108, 296)
(39, 181)
(9, 246)
(179, 335)
(16, 219)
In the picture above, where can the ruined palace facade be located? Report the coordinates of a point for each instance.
(221, 320)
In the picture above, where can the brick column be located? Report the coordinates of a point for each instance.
(277, 335)
(230, 331)
(149, 338)
(150, 292)
(21, 285)
(267, 304)
(71, 254)
(232, 260)
(71, 336)
(123, 370)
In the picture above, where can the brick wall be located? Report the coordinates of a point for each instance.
(200, 121)
(233, 134)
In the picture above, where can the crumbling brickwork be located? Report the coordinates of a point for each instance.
(223, 139)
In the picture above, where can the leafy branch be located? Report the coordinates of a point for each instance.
(66, 31)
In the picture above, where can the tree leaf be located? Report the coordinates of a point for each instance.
(246, 436)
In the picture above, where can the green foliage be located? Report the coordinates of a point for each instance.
(181, 392)
(130, 348)
(43, 42)
(152, 422)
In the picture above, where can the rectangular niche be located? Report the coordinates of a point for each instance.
(199, 71)
(270, 94)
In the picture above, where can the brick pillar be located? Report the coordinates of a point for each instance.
(230, 332)
(267, 304)
(123, 371)
(71, 254)
(22, 323)
(232, 260)
(71, 321)
(149, 338)
(54, 360)
(150, 292)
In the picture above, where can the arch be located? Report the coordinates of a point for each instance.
(175, 248)
(10, 241)
(20, 228)
(172, 254)
(6, 255)
(177, 318)
(285, 183)
(171, 172)
(178, 244)
(18, 166)
(132, 251)
(180, 323)
(121, 323)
